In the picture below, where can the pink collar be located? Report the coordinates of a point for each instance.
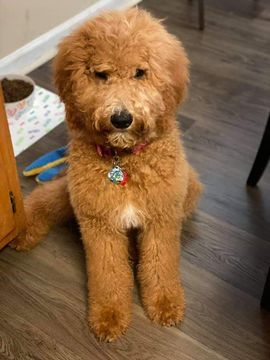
(108, 151)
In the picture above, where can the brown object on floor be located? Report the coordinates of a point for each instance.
(141, 98)
(12, 219)
(15, 90)
(226, 247)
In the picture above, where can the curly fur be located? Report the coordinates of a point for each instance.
(162, 189)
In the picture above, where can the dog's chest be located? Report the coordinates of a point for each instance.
(130, 217)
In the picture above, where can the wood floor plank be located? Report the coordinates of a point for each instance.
(41, 297)
(230, 253)
(47, 308)
(21, 340)
(224, 317)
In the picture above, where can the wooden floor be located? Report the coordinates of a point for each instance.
(226, 246)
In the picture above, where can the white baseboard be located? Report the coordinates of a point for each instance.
(43, 48)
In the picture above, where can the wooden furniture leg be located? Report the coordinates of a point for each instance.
(12, 217)
(265, 300)
(201, 15)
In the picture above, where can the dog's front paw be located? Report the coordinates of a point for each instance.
(109, 322)
(166, 309)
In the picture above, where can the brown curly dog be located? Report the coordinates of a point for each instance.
(122, 77)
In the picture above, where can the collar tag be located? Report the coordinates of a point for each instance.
(118, 176)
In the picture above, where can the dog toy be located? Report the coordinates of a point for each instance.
(48, 166)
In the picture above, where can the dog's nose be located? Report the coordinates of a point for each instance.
(121, 120)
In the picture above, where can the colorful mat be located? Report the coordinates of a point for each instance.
(46, 114)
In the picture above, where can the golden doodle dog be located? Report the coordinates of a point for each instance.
(122, 76)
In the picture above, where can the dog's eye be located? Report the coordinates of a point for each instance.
(139, 73)
(101, 75)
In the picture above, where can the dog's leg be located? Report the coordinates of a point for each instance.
(110, 280)
(193, 193)
(47, 205)
(162, 294)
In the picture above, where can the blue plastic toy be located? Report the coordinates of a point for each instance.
(48, 166)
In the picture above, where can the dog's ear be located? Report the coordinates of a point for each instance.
(170, 61)
(69, 63)
(176, 72)
(69, 69)
(62, 71)
(171, 65)
(178, 67)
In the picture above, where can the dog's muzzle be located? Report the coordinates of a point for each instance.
(122, 119)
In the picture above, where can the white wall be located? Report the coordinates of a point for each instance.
(23, 20)
(31, 29)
